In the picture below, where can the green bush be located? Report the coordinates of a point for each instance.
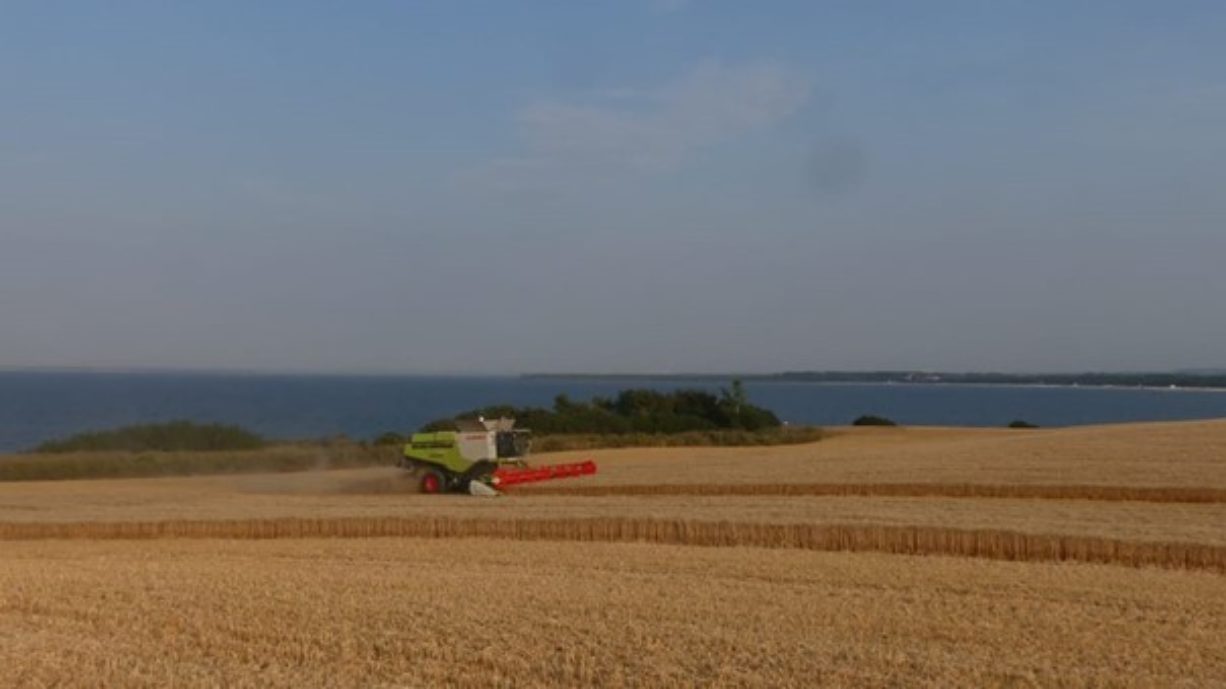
(175, 436)
(1021, 424)
(871, 420)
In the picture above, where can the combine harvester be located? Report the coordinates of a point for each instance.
(481, 458)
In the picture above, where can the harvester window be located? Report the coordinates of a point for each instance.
(511, 444)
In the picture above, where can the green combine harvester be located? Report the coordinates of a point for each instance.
(480, 457)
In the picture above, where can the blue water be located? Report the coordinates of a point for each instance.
(39, 406)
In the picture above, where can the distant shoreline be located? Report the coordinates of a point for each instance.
(1172, 382)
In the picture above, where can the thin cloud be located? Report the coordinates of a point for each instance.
(652, 130)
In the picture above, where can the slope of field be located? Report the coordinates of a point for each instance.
(454, 613)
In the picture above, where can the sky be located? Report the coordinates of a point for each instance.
(630, 186)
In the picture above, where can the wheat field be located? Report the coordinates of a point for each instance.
(405, 612)
(877, 557)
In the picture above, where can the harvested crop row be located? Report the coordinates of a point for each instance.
(906, 540)
(911, 490)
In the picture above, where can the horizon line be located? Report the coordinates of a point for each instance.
(239, 371)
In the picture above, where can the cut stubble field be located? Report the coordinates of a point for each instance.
(541, 587)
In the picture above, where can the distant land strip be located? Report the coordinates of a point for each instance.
(1199, 378)
(899, 540)
(1172, 494)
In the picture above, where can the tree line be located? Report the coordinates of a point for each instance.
(633, 411)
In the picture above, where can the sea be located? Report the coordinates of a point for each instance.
(39, 406)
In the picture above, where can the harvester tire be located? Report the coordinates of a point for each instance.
(433, 482)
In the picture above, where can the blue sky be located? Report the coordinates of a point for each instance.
(654, 185)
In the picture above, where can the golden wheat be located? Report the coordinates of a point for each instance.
(474, 612)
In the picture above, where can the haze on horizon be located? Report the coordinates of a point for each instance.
(639, 186)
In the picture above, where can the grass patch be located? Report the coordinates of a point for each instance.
(173, 436)
(792, 435)
(67, 465)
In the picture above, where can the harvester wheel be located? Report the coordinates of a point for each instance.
(432, 482)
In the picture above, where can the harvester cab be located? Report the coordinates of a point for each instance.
(480, 457)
